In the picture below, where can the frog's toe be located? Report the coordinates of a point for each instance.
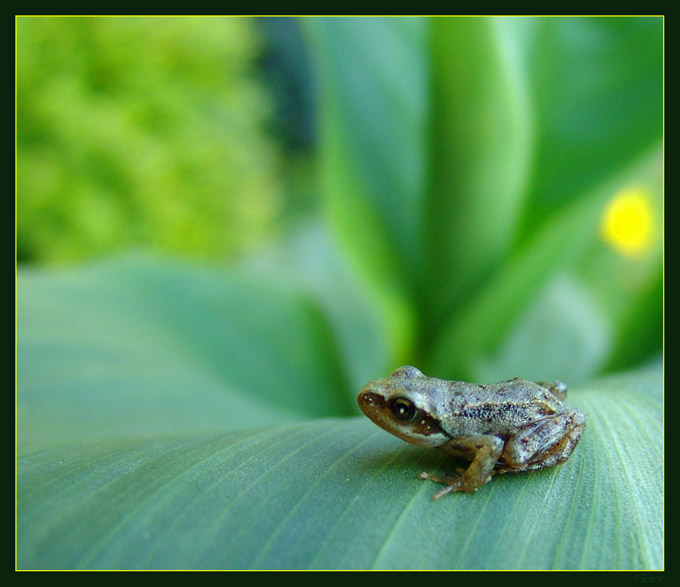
(442, 492)
(435, 478)
(446, 478)
(458, 484)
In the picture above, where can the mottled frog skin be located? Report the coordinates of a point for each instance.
(511, 426)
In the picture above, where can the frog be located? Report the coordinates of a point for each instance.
(513, 426)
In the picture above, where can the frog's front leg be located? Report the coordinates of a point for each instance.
(483, 450)
(543, 443)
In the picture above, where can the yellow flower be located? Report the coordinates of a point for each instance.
(628, 222)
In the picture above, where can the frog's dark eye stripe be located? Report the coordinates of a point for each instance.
(403, 409)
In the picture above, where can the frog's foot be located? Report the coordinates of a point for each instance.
(446, 478)
(454, 482)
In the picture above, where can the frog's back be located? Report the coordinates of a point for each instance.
(499, 408)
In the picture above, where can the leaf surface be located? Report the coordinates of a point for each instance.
(136, 347)
(342, 494)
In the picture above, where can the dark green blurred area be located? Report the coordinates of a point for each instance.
(155, 133)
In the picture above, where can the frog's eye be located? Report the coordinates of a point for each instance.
(403, 409)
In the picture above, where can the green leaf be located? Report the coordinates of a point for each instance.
(310, 260)
(342, 494)
(375, 110)
(143, 348)
(479, 156)
(562, 335)
(452, 146)
(597, 87)
(480, 328)
(486, 318)
(374, 116)
(640, 334)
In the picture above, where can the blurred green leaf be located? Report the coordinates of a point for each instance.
(570, 239)
(486, 319)
(561, 335)
(342, 494)
(525, 120)
(374, 75)
(309, 259)
(373, 80)
(479, 154)
(145, 348)
(640, 332)
(597, 88)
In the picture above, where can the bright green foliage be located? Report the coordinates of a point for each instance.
(141, 132)
(175, 416)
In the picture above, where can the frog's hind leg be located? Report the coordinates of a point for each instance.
(547, 442)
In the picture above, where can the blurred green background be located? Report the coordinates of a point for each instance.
(226, 226)
(159, 133)
(199, 138)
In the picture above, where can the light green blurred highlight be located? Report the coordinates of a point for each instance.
(142, 132)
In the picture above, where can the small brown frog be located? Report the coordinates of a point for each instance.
(512, 426)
